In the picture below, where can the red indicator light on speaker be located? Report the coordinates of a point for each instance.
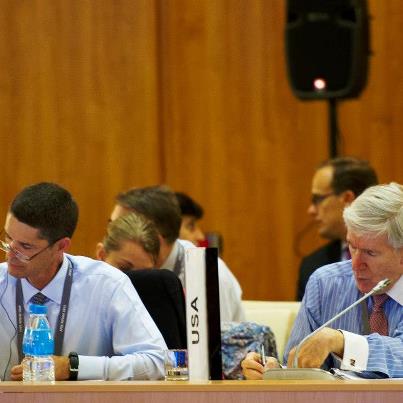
(319, 84)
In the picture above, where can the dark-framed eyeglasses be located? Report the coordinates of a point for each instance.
(6, 247)
(317, 199)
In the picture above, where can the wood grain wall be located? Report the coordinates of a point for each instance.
(103, 96)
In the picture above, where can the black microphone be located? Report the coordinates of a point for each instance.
(316, 373)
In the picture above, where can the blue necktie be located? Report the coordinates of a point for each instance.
(39, 299)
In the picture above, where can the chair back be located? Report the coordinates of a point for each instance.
(162, 294)
(278, 315)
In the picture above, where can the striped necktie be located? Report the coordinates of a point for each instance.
(377, 320)
(39, 299)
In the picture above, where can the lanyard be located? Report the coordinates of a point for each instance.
(61, 320)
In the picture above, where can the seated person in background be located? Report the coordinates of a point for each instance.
(106, 323)
(374, 224)
(335, 184)
(131, 243)
(159, 204)
(191, 213)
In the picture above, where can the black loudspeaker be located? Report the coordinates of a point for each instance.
(327, 47)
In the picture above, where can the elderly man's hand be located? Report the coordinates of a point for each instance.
(252, 367)
(315, 350)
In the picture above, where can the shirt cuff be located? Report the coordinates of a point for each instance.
(355, 357)
(91, 368)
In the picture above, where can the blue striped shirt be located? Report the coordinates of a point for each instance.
(331, 289)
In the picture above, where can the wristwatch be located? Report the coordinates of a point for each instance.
(73, 358)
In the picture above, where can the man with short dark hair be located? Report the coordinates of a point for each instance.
(102, 329)
(159, 204)
(335, 184)
(191, 213)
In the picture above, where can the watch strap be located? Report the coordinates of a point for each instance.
(73, 359)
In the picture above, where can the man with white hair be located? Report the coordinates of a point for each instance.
(369, 338)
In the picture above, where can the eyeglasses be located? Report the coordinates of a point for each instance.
(317, 199)
(6, 247)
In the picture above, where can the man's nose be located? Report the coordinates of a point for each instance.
(11, 244)
(11, 255)
(199, 235)
(312, 210)
(12, 248)
(356, 259)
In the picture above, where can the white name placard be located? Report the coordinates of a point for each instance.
(196, 314)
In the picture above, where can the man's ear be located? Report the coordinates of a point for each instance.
(100, 253)
(63, 244)
(348, 197)
(162, 240)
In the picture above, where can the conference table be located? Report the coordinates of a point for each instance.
(267, 391)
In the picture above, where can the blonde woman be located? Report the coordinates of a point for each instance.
(131, 243)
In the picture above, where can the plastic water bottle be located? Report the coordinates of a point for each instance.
(42, 345)
(27, 350)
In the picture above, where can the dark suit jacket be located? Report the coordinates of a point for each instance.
(330, 253)
(162, 294)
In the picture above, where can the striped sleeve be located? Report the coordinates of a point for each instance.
(330, 290)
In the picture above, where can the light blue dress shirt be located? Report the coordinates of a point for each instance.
(107, 323)
(330, 290)
(231, 309)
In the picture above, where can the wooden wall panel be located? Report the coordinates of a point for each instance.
(235, 137)
(78, 102)
(372, 125)
(102, 96)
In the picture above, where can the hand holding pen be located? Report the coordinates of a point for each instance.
(273, 362)
(262, 355)
(256, 363)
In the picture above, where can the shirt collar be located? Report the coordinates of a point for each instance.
(396, 292)
(171, 259)
(53, 290)
(344, 251)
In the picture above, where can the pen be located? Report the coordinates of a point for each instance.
(263, 355)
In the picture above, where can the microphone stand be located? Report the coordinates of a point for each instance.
(316, 373)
